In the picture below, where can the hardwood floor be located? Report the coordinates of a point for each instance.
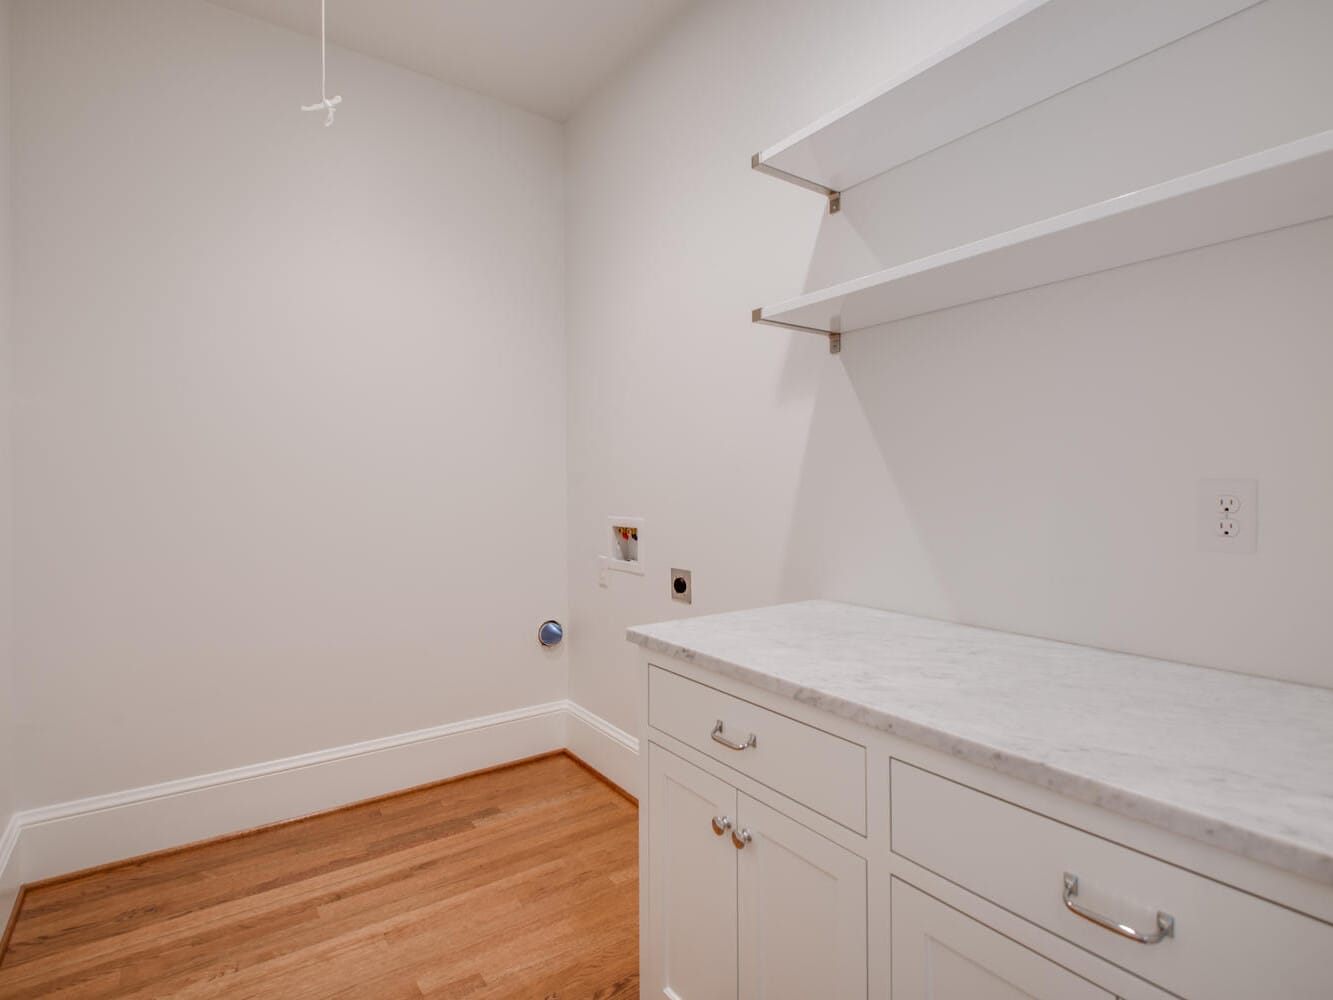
(518, 883)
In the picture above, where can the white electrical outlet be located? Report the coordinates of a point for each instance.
(1228, 515)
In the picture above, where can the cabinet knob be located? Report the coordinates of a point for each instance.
(741, 838)
(721, 824)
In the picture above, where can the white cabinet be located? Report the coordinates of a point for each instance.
(1092, 892)
(802, 906)
(789, 854)
(787, 756)
(691, 881)
(942, 954)
(745, 902)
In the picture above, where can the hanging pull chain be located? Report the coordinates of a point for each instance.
(329, 104)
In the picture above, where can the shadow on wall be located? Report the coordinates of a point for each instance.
(1029, 462)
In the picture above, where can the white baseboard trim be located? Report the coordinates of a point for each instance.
(70, 836)
(603, 747)
(9, 869)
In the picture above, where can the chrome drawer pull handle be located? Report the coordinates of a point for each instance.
(1166, 924)
(721, 824)
(741, 839)
(719, 738)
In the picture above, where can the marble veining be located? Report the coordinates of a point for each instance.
(1242, 763)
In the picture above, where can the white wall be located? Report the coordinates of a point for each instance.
(8, 763)
(290, 425)
(290, 434)
(1028, 463)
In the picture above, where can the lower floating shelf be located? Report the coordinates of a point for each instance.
(1279, 187)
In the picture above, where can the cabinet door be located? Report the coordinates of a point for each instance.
(942, 954)
(802, 910)
(691, 870)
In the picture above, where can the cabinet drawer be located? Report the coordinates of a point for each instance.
(1225, 943)
(823, 772)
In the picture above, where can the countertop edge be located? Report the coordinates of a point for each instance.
(1288, 856)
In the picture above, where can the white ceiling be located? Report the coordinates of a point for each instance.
(543, 55)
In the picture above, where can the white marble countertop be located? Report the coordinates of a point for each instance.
(1241, 763)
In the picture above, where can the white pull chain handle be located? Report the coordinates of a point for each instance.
(329, 104)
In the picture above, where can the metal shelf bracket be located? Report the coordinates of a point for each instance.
(834, 197)
(834, 335)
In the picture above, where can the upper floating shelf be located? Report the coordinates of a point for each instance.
(1037, 50)
(1273, 189)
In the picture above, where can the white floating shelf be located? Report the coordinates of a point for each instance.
(1037, 50)
(1273, 189)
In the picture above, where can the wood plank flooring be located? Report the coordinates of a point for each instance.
(518, 883)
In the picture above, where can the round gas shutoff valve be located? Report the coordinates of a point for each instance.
(550, 633)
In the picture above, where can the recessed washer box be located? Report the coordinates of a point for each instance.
(626, 552)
